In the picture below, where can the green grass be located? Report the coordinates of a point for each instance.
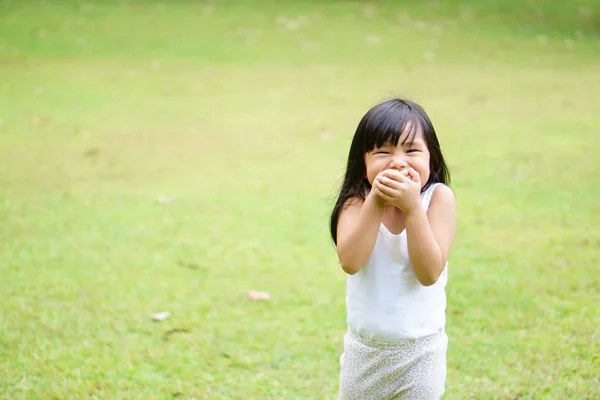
(243, 115)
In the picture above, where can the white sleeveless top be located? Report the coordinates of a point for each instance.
(385, 301)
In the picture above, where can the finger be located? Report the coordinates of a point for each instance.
(391, 186)
(384, 189)
(394, 173)
(383, 195)
(402, 178)
(414, 175)
(392, 183)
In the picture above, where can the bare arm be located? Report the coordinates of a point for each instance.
(357, 231)
(430, 235)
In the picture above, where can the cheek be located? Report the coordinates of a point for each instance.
(424, 169)
(426, 165)
(371, 174)
(372, 169)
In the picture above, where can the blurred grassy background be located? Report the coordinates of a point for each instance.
(174, 155)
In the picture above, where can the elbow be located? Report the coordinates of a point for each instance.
(350, 268)
(430, 276)
(350, 265)
(349, 262)
(429, 279)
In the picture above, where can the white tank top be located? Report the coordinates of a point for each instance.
(385, 301)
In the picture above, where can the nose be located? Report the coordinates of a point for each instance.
(398, 163)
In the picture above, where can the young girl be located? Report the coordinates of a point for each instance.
(393, 225)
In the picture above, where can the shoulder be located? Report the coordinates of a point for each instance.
(353, 202)
(442, 193)
(443, 198)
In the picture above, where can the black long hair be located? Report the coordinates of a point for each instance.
(384, 123)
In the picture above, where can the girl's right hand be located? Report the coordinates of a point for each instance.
(377, 196)
(381, 198)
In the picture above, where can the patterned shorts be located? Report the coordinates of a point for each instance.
(374, 370)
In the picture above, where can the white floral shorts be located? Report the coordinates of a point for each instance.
(374, 370)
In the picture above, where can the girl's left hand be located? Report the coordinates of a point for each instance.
(397, 189)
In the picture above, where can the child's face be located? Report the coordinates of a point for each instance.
(400, 157)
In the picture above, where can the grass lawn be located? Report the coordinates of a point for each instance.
(171, 156)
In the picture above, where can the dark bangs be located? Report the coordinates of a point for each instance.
(385, 125)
